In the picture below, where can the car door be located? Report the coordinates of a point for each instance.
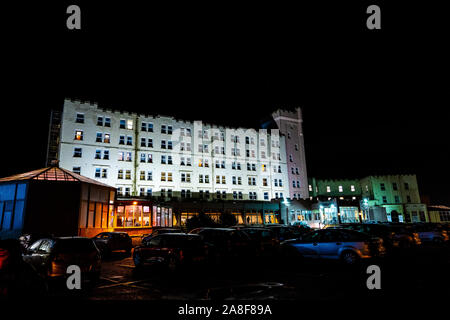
(31, 254)
(42, 256)
(329, 244)
(307, 246)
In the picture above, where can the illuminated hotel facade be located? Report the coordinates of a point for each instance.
(145, 155)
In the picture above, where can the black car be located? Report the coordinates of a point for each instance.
(226, 242)
(172, 250)
(264, 239)
(52, 257)
(283, 232)
(159, 231)
(108, 242)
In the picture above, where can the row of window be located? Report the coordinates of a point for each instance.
(397, 199)
(186, 193)
(394, 186)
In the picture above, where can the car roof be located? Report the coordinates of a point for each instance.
(220, 229)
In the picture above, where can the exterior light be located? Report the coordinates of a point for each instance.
(135, 202)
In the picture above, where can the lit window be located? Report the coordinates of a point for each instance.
(352, 188)
(128, 174)
(79, 135)
(310, 188)
(130, 124)
(341, 189)
(328, 189)
(120, 174)
(106, 138)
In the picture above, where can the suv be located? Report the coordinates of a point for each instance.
(287, 232)
(52, 256)
(108, 242)
(171, 250)
(339, 244)
(226, 242)
(430, 233)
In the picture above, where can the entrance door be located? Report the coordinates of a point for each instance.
(394, 216)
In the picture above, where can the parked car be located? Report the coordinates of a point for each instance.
(108, 242)
(339, 244)
(226, 242)
(283, 232)
(390, 239)
(264, 239)
(430, 233)
(405, 236)
(51, 257)
(159, 231)
(172, 250)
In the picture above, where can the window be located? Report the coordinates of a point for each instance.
(149, 192)
(150, 127)
(100, 121)
(223, 180)
(143, 142)
(107, 122)
(298, 184)
(122, 140)
(143, 157)
(310, 188)
(296, 171)
(384, 199)
(252, 195)
(121, 156)
(328, 189)
(76, 170)
(218, 179)
(143, 126)
(163, 176)
(128, 174)
(296, 147)
(80, 118)
(397, 199)
(122, 124)
(382, 187)
(169, 129)
(169, 160)
(264, 182)
(130, 124)
(290, 158)
(149, 176)
(163, 144)
(394, 186)
(163, 128)
(79, 135)
(163, 159)
(106, 138)
(99, 137)
(104, 173)
(142, 175)
(406, 186)
(120, 174)
(77, 152)
(98, 154)
(169, 145)
(127, 191)
(341, 189)
(233, 180)
(97, 172)
(150, 158)
(129, 140)
(206, 178)
(266, 196)
(169, 176)
(408, 199)
(280, 183)
(352, 188)
(128, 158)
(150, 143)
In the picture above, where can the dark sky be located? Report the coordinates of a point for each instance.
(374, 102)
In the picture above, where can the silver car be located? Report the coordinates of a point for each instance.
(347, 245)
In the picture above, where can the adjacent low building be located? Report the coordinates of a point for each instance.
(53, 201)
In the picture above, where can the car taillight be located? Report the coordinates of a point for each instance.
(181, 255)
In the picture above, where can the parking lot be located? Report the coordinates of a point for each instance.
(414, 273)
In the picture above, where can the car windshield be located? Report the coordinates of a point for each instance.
(74, 245)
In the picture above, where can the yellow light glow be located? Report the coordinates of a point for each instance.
(135, 202)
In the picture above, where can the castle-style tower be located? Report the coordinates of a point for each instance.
(290, 124)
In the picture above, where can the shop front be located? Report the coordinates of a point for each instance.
(139, 217)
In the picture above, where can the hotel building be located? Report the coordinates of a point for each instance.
(145, 155)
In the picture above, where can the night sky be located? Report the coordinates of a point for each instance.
(374, 102)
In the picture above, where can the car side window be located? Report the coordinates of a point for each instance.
(311, 237)
(154, 242)
(35, 245)
(46, 246)
(328, 236)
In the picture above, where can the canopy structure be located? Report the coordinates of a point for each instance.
(52, 174)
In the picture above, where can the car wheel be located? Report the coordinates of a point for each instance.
(349, 258)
